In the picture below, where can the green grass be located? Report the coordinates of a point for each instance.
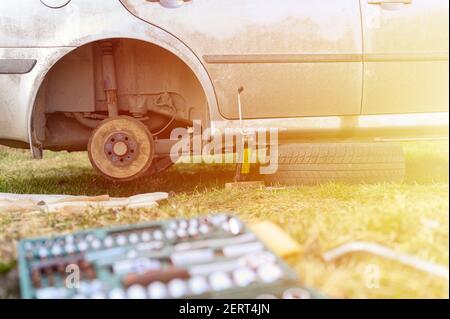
(411, 217)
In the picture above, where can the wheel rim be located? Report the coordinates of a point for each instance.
(121, 148)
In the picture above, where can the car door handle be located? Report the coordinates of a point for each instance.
(390, 5)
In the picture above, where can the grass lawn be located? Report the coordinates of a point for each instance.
(412, 217)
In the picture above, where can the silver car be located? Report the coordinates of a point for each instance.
(116, 77)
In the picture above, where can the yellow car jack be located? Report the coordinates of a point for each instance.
(243, 163)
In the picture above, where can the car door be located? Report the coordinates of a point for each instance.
(405, 56)
(294, 58)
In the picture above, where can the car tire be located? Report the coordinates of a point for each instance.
(352, 163)
(159, 165)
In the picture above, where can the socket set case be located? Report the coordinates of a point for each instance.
(214, 256)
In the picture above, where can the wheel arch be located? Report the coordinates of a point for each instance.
(150, 34)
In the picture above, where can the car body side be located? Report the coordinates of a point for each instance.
(314, 69)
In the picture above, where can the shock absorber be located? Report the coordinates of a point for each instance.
(109, 77)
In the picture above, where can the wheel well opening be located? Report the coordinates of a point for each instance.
(152, 84)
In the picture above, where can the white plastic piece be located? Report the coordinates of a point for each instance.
(90, 237)
(96, 244)
(153, 245)
(220, 281)
(170, 234)
(182, 224)
(206, 269)
(133, 238)
(173, 225)
(69, 239)
(198, 285)
(121, 240)
(138, 265)
(177, 288)
(51, 293)
(157, 290)
(192, 231)
(69, 248)
(192, 257)
(212, 243)
(182, 233)
(244, 276)
(108, 242)
(204, 229)
(158, 234)
(146, 236)
(43, 252)
(242, 249)
(235, 226)
(56, 250)
(83, 246)
(136, 292)
(193, 223)
(269, 273)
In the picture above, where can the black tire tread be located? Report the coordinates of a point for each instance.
(312, 163)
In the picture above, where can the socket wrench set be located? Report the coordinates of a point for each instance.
(215, 256)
